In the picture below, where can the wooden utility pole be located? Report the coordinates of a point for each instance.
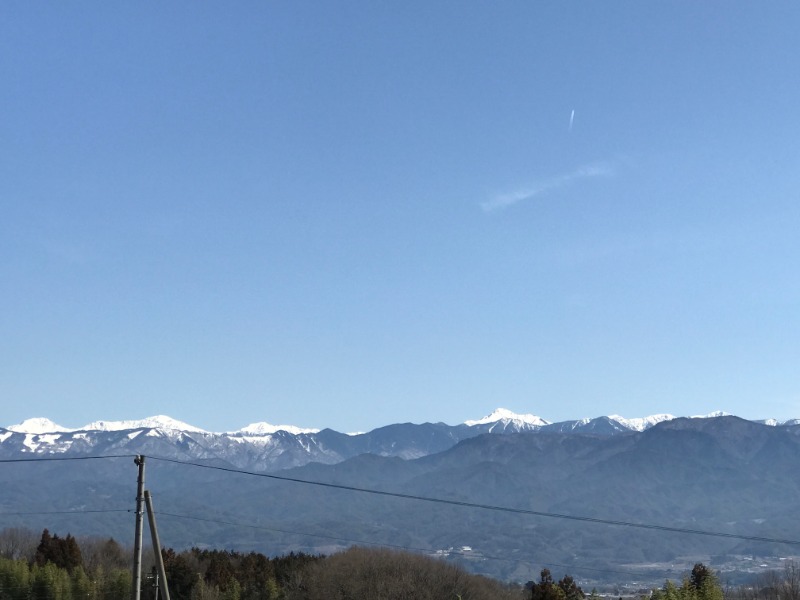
(136, 592)
(151, 519)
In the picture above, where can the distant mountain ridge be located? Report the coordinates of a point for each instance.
(590, 493)
(265, 447)
(44, 425)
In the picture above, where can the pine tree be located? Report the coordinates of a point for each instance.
(572, 591)
(62, 552)
(702, 584)
(546, 588)
(44, 550)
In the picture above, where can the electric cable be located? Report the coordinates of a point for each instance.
(65, 512)
(63, 458)
(492, 507)
(430, 551)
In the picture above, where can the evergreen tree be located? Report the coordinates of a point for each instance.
(14, 579)
(49, 583)
(700, 573)
(117, 585)
(62, 552)
(219, 571)
(702, 584)
(80, 584)
(572, 590)
(256, 574)
(546, 588)
(180, 576)
(44, 549)
(233, 591)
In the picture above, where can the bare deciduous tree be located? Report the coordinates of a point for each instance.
(18, 543)
(391, 575)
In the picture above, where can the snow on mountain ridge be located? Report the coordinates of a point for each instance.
(641, 423)
(42, 425)
(155, 422)
(505, 415)
(264, 428)
(38, 425)
(711, 415)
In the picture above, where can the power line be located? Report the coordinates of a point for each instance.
(303, 533)
(385, 545)
(65, 512)
(62, 458)
(505, 509)
(314, 535)
(385, 494)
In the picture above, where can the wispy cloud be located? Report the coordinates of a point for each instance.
(547, 185)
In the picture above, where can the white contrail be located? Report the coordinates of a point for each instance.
(571, 119)
(540, 187)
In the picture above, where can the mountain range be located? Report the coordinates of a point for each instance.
(265, 447)
(504, 495)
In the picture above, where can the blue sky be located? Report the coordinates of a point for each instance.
(351, 214)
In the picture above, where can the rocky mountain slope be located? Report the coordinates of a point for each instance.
(546, 496)
(265, 447)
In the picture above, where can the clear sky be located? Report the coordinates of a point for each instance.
(349, 214)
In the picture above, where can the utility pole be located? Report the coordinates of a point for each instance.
(136, 592)
(151, 519)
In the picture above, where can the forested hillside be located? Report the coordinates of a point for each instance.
(632, 502)
(51, 567)
(65, 569)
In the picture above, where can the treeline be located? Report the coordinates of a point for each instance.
(380, 574)
(374, 574)
(548, 589)
(59, 569)
(50, 567)
(64, 568)
(701, 584)
(197, 574)
(772, 585)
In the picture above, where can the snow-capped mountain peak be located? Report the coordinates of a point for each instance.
(38, 425)
(641, 423)
(155, 422)
(273, 447)
(506, 416)
(264, 428)
(716, 413)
